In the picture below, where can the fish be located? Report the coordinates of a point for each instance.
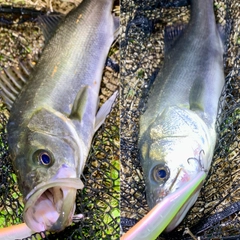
(54, 116)
(177, 133)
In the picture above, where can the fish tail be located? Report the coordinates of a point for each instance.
(202, 14)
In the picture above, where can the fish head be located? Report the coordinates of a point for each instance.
(173, 151)
(170, 165)
(46, 156)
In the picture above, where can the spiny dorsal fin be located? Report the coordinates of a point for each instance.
(171, 35)
(49, 24)
(12, 80)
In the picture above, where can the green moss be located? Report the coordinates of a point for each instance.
(131, 94)
(140, 73)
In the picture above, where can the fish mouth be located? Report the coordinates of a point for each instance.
(50, 206)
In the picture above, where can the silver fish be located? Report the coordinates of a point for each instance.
(53, 119)
(177, 130)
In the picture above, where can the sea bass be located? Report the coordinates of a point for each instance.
(53, 119)
(177, 130)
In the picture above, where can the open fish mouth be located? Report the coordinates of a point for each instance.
(50, 206)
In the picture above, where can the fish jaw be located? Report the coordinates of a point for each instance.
(51, 205)
(180, 215)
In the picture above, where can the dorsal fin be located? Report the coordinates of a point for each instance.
(12, 80)
(49, 24)
(171, 35)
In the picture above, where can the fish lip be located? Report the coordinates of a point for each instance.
(64, 182)
(69, 186)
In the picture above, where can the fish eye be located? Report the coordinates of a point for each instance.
(43, 157)
(160, 173)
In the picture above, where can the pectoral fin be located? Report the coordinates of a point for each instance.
(104, 111)
(196, 96)
(79, 105)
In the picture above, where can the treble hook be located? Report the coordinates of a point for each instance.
(198, 160)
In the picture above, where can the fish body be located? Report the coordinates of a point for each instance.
(177, 131)
(53, 119)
